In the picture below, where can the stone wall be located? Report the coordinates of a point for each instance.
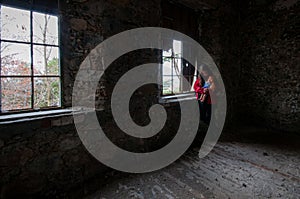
(220, 37)
(270, 65)
(46, 158)
(86, 23)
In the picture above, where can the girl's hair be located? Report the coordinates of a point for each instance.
(204, 67)
(202, 80)
(212, 85)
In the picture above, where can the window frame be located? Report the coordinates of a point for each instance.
(32, 75)
(161, 75)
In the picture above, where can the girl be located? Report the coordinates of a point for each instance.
(209, 85)
(203, 93)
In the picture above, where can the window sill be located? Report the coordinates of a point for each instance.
(31, 116)
(23, 117)
(177, 98)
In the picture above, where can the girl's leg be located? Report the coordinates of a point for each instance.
(202, 110)
(208, 113)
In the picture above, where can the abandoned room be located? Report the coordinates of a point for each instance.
(150, 99)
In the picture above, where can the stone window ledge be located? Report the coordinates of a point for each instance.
(177, 98)
(31, 116)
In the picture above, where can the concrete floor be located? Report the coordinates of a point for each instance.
(254, 164)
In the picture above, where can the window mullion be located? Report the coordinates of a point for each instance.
(31, 60)
(172, 68)
(0, 67)
(0, 72)
(24, 42)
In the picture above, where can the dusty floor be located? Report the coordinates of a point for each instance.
(256, 164)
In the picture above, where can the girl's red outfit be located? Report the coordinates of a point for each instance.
(205, 107)
(200, 90)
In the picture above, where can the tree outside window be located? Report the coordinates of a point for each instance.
(30, 65)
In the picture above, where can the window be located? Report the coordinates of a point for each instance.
(30, 63)
(174, 69)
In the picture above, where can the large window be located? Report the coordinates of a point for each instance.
(175, 69)
(30, 65)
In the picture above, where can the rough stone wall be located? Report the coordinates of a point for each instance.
(45, 158)
(270, 65)
(86, 23)
(220, 37)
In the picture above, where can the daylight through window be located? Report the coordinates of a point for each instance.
(174, 69)
(30, 65)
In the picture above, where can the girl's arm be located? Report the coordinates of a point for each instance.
(198, 88)
(196, 85)
(212, 87)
